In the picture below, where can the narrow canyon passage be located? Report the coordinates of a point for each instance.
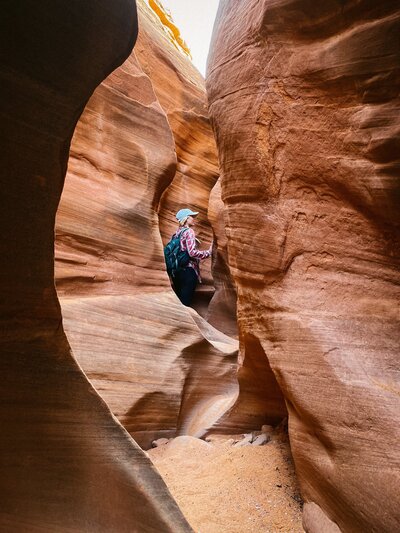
(139, 151)
(272, 404)
(272, 283)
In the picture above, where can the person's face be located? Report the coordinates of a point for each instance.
(191, 221)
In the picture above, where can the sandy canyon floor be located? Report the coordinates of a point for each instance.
(223, 488)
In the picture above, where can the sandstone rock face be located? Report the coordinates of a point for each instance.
(66, 463)
(304, 101)
(122, 158)
(221, 311)
(161, 369)
(181, 93)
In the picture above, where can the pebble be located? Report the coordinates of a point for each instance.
(261, 440)
(159, 442)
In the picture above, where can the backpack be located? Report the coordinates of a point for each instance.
(175, 258)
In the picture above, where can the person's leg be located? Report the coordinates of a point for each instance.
(187, 282)
(179, 281)
(176, 284)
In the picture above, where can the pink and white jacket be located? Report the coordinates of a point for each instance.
(188, 243)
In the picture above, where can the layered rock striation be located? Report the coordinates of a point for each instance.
(180, 90)
(221, 311)
(304, 102)
(142, 149)
(66, 463)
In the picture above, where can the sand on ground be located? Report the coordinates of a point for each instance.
(221, 488)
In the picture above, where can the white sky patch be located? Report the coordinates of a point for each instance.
(195, 20)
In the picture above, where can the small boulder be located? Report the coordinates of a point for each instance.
(261, 440)
(268, 430)
(248, 439)
(159, 442)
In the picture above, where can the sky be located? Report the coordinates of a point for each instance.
(195, 20)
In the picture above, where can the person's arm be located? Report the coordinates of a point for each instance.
(189, 239)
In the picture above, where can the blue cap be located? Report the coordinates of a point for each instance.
(184, 213)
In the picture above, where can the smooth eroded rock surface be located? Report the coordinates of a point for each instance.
(221, 311)
(304, 101)
(181, 92)
(66, 464)
(161, 369)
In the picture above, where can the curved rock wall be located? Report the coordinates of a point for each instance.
(156, 364)
(122, 158)
(304, 101)
(66, 464)
(221, 311)
(181, 92)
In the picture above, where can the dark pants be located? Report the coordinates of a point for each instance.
(185, 282)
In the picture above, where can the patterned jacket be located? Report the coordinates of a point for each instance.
(188, 243)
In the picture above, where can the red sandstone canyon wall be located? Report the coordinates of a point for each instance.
(304, 102)
(181, 92)
(66, 464)
(142, 148)
(221, 311)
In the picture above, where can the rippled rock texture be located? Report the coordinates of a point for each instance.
(304, 101)
(66, 463)
(142, 149)
(221, 311)
(180, 90)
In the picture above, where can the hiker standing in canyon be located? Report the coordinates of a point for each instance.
(183, 258)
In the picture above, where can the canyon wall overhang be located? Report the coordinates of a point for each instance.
(66, 464)
(304, 102)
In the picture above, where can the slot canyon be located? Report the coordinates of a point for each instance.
(271, 404)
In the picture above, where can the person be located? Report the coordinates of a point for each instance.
(186, 279)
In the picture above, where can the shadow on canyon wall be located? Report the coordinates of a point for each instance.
(303, 321)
